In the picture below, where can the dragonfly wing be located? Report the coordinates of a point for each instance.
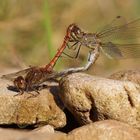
(47, 76)
(116, 22)
(123, 32)
(111, 50)
(12, 76)
(121, 51)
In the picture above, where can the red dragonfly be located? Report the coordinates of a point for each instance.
(116, 40)
(33, 76)
(106, 40)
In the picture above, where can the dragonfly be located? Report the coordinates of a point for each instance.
(31, 77)
(117, 40)
(104, 40)
(34, 76)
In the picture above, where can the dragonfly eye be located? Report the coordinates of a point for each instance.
(76, 32)
(20, 83)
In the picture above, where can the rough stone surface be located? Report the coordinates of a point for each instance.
(127, 75)
(24, 110)
(105, 130)
(102, 130)
(91, 98)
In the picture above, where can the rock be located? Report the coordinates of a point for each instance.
(43, 129)
(105, 130)
(102, 130)
(127, 75)
(11, 134)
(24, 110)
(46, 136)
(91, 98)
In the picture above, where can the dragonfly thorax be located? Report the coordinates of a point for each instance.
(89, 40)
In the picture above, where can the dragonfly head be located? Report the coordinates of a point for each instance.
(20, 83)
(74, 32)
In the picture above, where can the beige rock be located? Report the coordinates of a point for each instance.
(24, 110)
(45, 134)
(91, 98)
(127, 75)
(45, 128)
(105, 130)
(11, 134)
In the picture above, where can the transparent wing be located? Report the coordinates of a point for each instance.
(121, 32)
(12, 76)
(116, 22)
(121, 51)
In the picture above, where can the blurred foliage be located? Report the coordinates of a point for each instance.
(31, 31)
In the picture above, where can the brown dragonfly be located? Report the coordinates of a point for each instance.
(116, 40)
(33, 76)
(30, 78)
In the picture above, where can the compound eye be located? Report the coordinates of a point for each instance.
(78, 31)
(22, 81)
(19, 82)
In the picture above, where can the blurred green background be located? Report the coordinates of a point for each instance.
(31, 31)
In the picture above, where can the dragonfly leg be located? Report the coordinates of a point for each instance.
(92, 57)
(79, 47)
(33, 95)
(54, 80)
(41, 87)
(21, 91)
(33, 89)
(68, 55)
(36, 90)
(28, 88)
(73, 46)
